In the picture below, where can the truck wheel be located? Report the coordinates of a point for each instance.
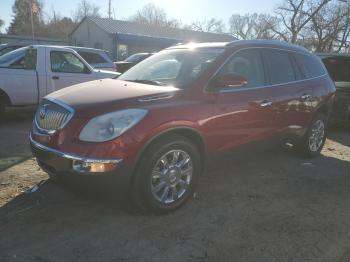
(313, 141)
(167, 174)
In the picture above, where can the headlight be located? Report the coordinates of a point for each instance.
(109, 126)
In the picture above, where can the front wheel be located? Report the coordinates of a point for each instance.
(167, 174)
(313, 141)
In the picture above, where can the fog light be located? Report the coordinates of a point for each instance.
(92, 167)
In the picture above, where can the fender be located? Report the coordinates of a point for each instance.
(6, 97)
(172, 127)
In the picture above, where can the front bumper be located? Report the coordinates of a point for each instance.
(60, 164)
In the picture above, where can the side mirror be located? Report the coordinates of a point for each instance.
(229, 81)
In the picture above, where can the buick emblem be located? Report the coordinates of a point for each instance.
(42, 112)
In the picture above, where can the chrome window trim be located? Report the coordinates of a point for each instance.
(268, 86)
(65, 106)
(72, 156)
(228, 90)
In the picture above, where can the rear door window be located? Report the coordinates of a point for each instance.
(310, 66)
(280, 66)
(92, 58)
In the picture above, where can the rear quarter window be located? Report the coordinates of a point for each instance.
(92, 58)
(309, 65)
(280, 66)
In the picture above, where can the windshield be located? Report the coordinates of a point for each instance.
(135, 58)
(11, 57)
(175, 67)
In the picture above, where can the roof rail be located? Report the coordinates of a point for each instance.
(266, 42)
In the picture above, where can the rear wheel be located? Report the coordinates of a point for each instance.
(167, 174)
(313, 141)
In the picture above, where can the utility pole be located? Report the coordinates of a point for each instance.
(109, 9)
(31, 18)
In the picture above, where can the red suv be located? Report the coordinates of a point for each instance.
(151, 131)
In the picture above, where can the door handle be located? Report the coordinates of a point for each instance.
(55, 77)
(265, 103)
(305, 97)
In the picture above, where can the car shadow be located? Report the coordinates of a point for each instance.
(17, 115)
(270, 202)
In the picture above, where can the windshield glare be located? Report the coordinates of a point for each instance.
(175, 67)
(8, 58)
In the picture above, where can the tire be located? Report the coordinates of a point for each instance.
(313, 141)
(167, 174)
(2, 108)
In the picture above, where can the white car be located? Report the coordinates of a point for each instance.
(30, 73)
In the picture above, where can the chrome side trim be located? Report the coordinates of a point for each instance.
(72, 156)
(157, 97)
(229, 90)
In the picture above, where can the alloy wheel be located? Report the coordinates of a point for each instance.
(317, 135)
(171, 176)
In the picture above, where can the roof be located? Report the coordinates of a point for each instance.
(112, 26)
(80, 48)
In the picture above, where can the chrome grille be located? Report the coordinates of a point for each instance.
(52, 115)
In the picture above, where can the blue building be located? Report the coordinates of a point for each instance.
(124, 38)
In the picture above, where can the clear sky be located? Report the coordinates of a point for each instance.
(183, 10)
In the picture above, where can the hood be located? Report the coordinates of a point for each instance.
(104, 93)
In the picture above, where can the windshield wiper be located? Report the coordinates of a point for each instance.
(149, 82)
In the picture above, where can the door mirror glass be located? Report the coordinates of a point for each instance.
(230, 80)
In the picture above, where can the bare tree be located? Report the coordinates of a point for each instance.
(84, 9)
(152, 15)
(294, 15)
(212, 25)
(344, 36)
(23, 12)
(57, 26)
(1, 23)
(324, 28)
(253, 26)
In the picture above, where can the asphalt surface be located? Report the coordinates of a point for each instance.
(254, 206)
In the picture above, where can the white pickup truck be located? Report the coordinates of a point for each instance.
(29, 73)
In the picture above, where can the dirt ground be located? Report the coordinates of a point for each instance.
(257, 206)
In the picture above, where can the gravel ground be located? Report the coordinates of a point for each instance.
(257, 206)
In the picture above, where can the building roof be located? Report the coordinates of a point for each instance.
(112, 26)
